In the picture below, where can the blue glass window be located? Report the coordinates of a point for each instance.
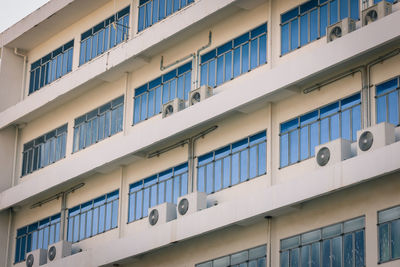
(165, 186)
(235, 57)
(37, 235)
(99, 124)
(232, 164)
(104, 35)
(153, 11)
(389, 234)
(387, 102)
(300, 136)
(150, 97)
(93, 217)
(299, 26)
(342, 244)
(44, 150)
(51, 67)
(251, 257)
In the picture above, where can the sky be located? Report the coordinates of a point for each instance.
(12, 11)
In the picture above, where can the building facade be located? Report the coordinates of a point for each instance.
(276, 122)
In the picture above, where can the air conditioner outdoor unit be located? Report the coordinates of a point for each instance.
(191, 203)
(340, 28)
(162, 213)
(376, 12)
(59, 250)
(374, 137)
(36, 258)
(199, 94)
(172, 107)
(332, 152)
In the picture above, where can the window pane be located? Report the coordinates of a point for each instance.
(315, 254)
(305, 256)
(244, 165)
(381, 109)
(226, 172)
(200, 179)
(284, 259)
(304, 29)
(294, 146)
(323, 11)
(325, 130)
(254, 53)
(326, 253)
(294, 258)
(218, 175)
(304, 144)
(314, 24)
(395, 239)
(294, 34)
(333, 11)
(284, 147)
(141, 18)
(356, 117)
(262, 49)
(337, 252)
(359, 249)
(209, 179)
(335, 128)
(220, 70)
(245, 58)
(211, 73)
(235, 168)
(344, 9)
(393, 101)
(384, 242)
(228, 66)
(284, 39)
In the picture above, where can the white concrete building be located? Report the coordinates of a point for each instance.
(201, 133)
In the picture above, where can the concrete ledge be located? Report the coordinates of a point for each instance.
(264, 201)
(113, 63)
(262, 82)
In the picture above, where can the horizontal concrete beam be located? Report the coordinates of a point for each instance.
(264, 201)
(114, 63)
(261, 83)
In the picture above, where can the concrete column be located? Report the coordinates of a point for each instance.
(10, 78)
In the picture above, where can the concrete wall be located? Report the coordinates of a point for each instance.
(11, 75)
(236, 124)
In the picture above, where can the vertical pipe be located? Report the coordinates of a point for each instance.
(190, 165)
(63, 217)
(124, 123)
(269, 147)
(365, 99)
(120, 202)
(269, 250)
(7, 260)
(269, 35)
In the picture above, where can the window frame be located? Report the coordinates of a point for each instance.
(386, 95)
(230, 155)
(320, 3)
(318, 121)
(57, 221)
(70, 217)
(322, 239)
(106, 27)
(159, 82)
(81, 124)
(50, 62)
(388, 222)
(40, 143)
(231, 50)
(157, 177)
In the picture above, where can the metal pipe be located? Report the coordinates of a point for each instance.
(162, 67)
(369, 66)
(58, 195)
(332, 80)
(63, 216)
(7, 256)
(23, 72)
(182, 142)
(269, 218)
(198, 57)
